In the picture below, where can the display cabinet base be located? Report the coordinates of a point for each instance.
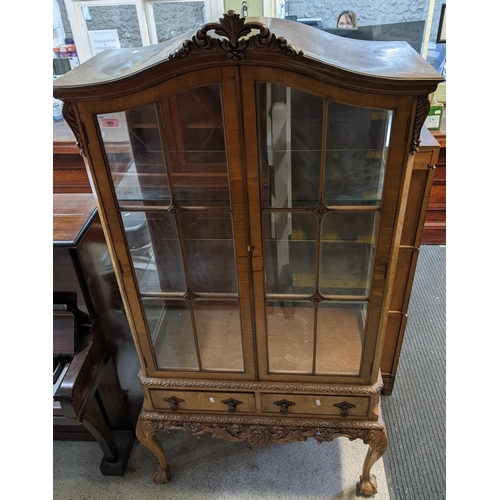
(259, 431)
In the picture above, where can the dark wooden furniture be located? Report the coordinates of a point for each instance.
(422, 183)
(435, 222)
(69, 173)
(70, 177)
(88, 401)
(253, 181)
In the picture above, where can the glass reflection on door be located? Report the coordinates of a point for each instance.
(322, 171)
(356, 154)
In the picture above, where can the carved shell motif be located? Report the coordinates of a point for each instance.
(234, 30)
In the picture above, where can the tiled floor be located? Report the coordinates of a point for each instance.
(213, 469)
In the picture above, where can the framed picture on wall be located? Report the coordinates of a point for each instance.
(441, 35)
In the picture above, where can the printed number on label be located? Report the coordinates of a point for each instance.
(109, 122)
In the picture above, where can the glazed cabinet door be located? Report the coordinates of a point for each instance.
(171, 188)
(322, 216)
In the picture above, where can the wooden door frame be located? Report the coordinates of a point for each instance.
(403, 108)
(99, 172)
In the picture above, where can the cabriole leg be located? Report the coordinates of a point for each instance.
(146, 433)
(377, 440)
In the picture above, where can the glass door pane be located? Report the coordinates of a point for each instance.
(135, 157)
(209, 251)
(171, 329)
(169, 169)
(290, 137)
(218, 327)
(341, 328)
(356, 154)
(290, 324)
(322, 172)
(201, 336)
(347, 251)
(196, 147)
(290, 246)
(154, 246)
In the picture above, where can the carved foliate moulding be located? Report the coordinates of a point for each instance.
(68, 113)
(423, 106)
(264, 386)
(159, 418)
(259, 433)
(233, 31)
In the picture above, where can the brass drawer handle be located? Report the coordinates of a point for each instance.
(284, 404)
(232, 403)
(344, 408)
(174, 406)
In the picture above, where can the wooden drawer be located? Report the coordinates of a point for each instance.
(316, 405)
(202, 401)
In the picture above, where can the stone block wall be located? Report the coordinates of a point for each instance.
(368, 11)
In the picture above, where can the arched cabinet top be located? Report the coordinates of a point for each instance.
(380, 67)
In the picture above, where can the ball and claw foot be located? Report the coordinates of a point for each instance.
(161, 476)
(367, 487)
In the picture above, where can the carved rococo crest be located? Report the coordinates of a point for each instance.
(235, 42)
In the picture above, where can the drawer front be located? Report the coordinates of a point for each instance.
(202, 401)
(317, 405)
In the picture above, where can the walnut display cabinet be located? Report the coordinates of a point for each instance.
(252, 179)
